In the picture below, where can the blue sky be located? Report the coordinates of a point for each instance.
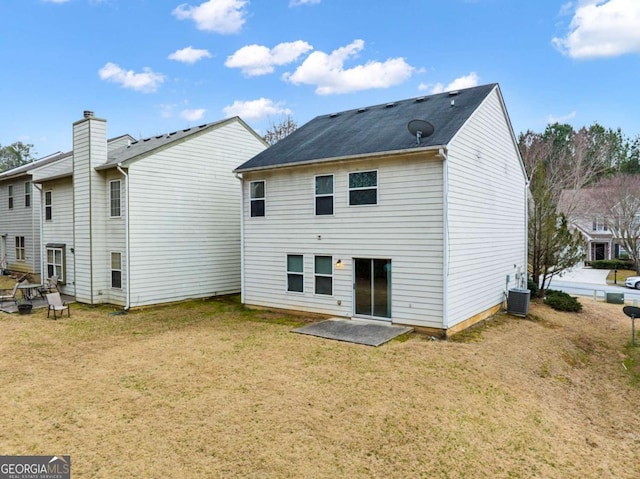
(153, 66)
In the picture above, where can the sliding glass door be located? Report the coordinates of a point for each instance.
(372, 287)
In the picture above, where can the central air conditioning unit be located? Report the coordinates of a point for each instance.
(518, 302)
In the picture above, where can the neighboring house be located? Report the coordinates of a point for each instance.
(355, 216)
(154, 221)
(20, 212)
(583, 210)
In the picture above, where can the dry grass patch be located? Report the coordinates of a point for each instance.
(207, 389)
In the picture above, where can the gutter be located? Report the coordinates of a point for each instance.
(337, 159)
(241, 179)
(126, 236)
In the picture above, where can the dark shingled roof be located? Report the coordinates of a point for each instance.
(373, 130)
(141, 147)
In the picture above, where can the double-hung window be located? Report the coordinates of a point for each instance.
(27, 194)
(257, 198)
(295, 273)
(363, 188)
(55, 262)
(323, 269)
(48, 205)
(324, 195)
(116, 270)
(10, 191)
(114, 198)
(20, 249)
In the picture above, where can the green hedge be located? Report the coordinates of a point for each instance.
(612, 264)
(561, 301)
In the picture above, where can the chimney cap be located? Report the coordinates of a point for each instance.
(88, 114)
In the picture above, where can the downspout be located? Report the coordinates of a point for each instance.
(445, 230)
(41, 225)
(126, 237)
(239, 177)
(526, 235)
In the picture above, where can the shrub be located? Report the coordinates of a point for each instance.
(562, 301)
(612, 264)
(533, 287)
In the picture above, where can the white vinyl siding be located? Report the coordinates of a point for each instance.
(406, 227)
(60, 231)
(20, 221)
(486, 219)
(185, 217)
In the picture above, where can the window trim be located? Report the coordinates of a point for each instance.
(21, 249)
(332, 195)
(111, 199)
(317, 275)
(297, 273)
(10, 196)
(56, 247)
(263, 199)
(27, 194)
(376, 187)
(48, 207)
(113, 270)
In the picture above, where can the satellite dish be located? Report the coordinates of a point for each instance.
(420, 129)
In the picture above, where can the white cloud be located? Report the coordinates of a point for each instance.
(551, 119)
(327, 71)
(220, 16)
(297, 3)
(193, 115)
(460, 83)
(146, 82)
(255, 109)
(602, 29)
(189, 55)
(257, 60)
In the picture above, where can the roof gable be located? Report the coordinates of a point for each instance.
(373, 130)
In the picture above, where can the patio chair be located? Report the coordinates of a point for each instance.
(56, 304)
(49, 286)
(9, 294)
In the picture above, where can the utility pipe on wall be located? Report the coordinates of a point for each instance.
(239, 177)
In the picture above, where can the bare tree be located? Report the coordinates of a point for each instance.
(278, 131)
(618, 200)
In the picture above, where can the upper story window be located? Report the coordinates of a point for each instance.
(295, 273)
(114, 198)
(10, 191)
(27, 194)
(324, 194)
(363, 188)
(257, 198)
(599, 225)
(48, 205)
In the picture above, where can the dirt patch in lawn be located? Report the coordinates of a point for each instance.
(207, 389)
